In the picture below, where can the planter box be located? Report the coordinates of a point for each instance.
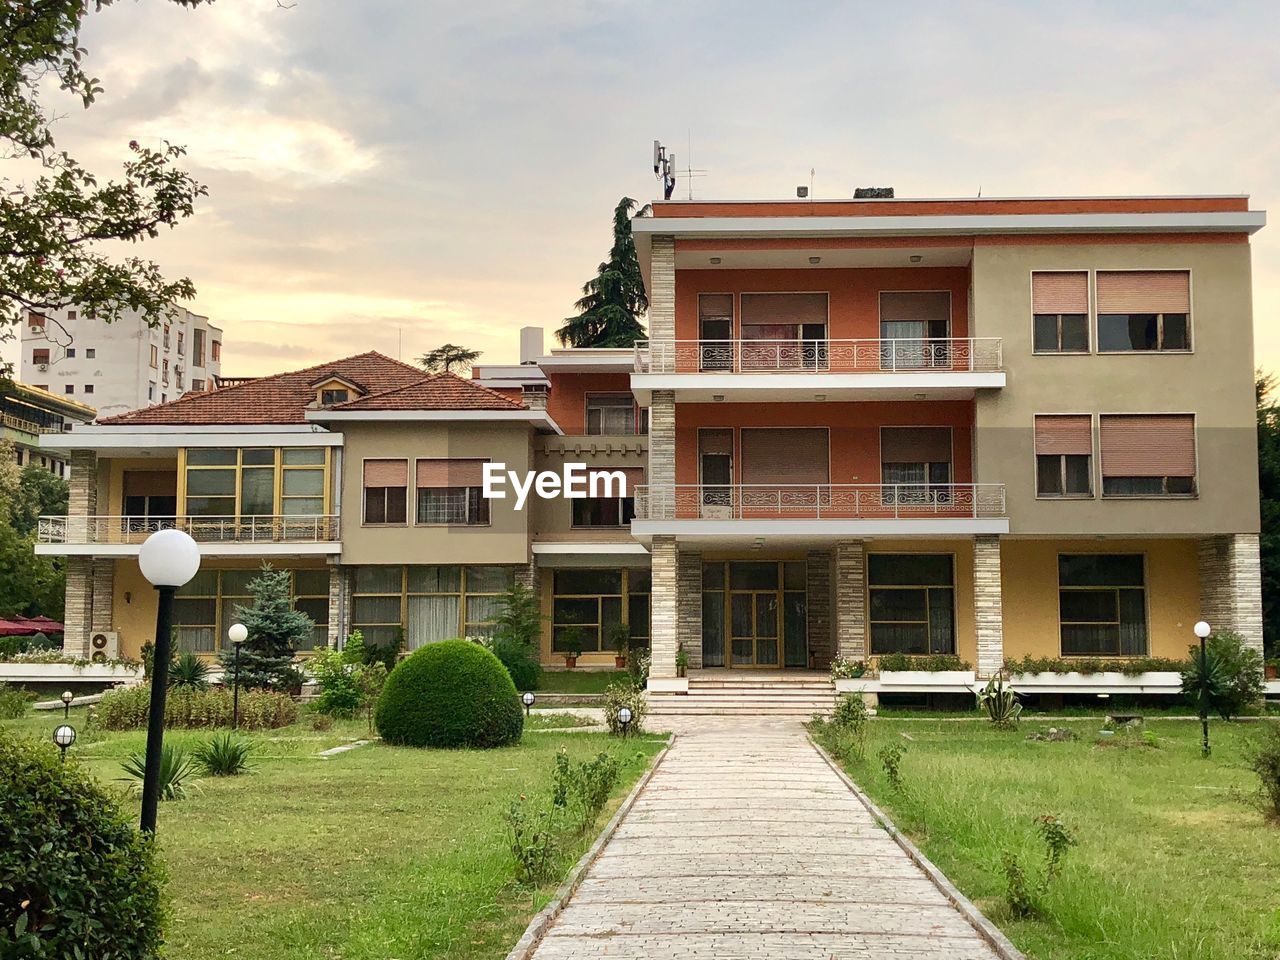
(857, 685)
(48, 672)
(927, 680)
(1107, 682)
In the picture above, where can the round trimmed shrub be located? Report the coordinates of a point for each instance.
(76, 877)
(450, 694)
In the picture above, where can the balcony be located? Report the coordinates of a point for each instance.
(218, 536)
(699, 370)
(817, 511)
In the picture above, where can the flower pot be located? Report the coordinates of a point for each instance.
(571, 662)
(682, 671)
(620, 662)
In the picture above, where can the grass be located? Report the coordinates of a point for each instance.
(1173, 862)
(378, 852)
(578, 681)
(556, 720)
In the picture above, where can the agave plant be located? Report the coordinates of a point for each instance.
(177, 770)
(1001, 703)
(188, 670)
(224, 755)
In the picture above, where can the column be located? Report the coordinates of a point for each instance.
(78, 615)
(851, 600)
(662, 288)
(104, 581)
(663, 605)
(689, 604)
(1231, 585)
(822, 647)
(661, 473)
(988, 609)
(337, 633)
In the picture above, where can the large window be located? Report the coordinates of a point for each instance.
(1064, 455)
(783, 331)
(386, 488)
(915, 462)
(1102, 605)
(427, 603)
(1148, 455)
(1144, 310)
(595, 600)
(912, 607)
(1060, 307)
(908, 322)
(615, 414)
(205, 608)
(449, 492)
(255, 481)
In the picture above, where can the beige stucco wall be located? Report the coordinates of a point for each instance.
(504, 540)
(553, 519)
(1215, 382)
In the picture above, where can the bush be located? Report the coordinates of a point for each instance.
(1264, 759)
(846, 668)
(176, 770)
(335, 674)
(850, 722)
(1233, 680)
(223, 755)
(521, 661)
(126, 708)
(1129, 666)
(891, 760)
(188, 670)
(13, 702)
(534, 832)
(638, 660)
(933, 663)
(625, 693)
(583, 789)
(78, 879)
(450, 694)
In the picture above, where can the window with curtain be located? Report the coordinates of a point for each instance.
(255, 481)
(1064, 455)
(915, 327)
(916, 463)
(1148, 455)
(1060, 311)
(425, 604)
(912, 603)
(449, 492)
(205, 608)
(386, 491)
(610, 414)
(608, 511)
(1102, 605)
(783, 330)
(1143, 310)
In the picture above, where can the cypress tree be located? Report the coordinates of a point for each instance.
(614, 299)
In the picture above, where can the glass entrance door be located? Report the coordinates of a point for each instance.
(754, 625)
(754, 614)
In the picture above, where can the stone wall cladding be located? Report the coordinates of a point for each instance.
(78, 617)
(664, 614)
(851, 600)
(1231, 585)
(822, 648)
(689, 604)
(662, 288)
(82, 494)
(104, 581)
(988, 604)
(337, 634)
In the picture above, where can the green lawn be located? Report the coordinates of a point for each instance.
(376, 853)
(578, 681)
(1172, 861)
(556, 720)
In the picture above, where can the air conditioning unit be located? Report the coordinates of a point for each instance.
(104, 645)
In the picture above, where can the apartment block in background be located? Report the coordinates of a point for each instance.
(120, 366)
(29, 415)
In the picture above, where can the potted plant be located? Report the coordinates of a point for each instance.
(682, 662)
(572, 642)
(620, 639)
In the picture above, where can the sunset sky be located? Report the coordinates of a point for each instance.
(384, 170)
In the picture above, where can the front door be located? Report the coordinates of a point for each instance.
(753, 624)
(754, 614)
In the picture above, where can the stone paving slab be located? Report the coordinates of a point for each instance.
(745, 845)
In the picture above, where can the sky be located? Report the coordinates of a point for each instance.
(395, 174)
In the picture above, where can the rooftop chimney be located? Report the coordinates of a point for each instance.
(534, 395)
(530, 344)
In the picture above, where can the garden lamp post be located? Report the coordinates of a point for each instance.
(64, 737)
(527, 700)
(168, 559)
(624, 718)
(238, 634)
(1202, 631)
(66, 698)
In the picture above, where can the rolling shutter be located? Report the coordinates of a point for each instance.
(915, 445)
(386, 473)
(1144, 291)
(716, 441)
(931, 306)
(1072, 435)
(784, 308)
(778, 456)
(450, 473)
(1148, 445)
(1060, 292)
(715, 306)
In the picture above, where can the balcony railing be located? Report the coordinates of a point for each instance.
(929, 355)
(822, 501)
(130, 530)
(29, 426)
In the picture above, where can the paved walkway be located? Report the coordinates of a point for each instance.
(745, 845)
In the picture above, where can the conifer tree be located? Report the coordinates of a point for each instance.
(276, 630)
(614, 299)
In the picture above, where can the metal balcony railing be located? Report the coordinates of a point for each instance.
(928, 355)
(128, 530)
(822, 501)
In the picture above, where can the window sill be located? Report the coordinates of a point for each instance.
(1151, 496)
(1144, 353)
(420, 523)
(1062, 353)
(378, 526)
(1066, 496)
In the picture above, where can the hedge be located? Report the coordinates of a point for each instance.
(126, 708)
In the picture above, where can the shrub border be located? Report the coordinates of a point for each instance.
(989, 932)
(542, 921)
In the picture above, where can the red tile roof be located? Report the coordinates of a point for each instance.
(283, 398)
(439, 391)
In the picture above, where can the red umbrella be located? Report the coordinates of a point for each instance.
(16, 628)
(46, 625)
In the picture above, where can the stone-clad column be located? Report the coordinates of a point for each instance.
(822, 648)
(82, 504)
(661, 472)
(662, 288)
(988, 605)
(1231, 585)
(851, 603)
(338, 630)
(689, 604)
(663, 604)
(78, 615)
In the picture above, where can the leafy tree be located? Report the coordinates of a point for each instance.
(614, 299)
(40, 493)
(276, 630)
(448, 355)
(1269, 491)
(29, 585)
(53, 227)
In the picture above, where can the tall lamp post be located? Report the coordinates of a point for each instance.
(168, 559)
(1203, 630)
(237, 634)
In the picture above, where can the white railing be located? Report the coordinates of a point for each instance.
(127, 530)
(821, 501)
(928, 355)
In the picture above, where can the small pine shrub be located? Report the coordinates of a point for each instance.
(625, 692)
(450, 694)
(126, 708)
(79, 879)
(177, 772)
(223, 755)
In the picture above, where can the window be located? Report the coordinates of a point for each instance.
(1144, 310)
(916, 463)
(336, 395)
(756, 613)
(166, 337)
(151, 391)
(912, 603)
(1060, 305)
(36, 321)
(71, 314)
(1102, 605)
(40, 355)
(88, 388)
(164, 375)
(177, 374)
(198, 386)
(215, 350)
(611, 415)
(590, 601)
(302, 481)
(783, 331)
(784, 457)
(197, 348)
(386, 484)
(71, 353)
(915, 328)
(90, 353)
(243, 482)
(182, 337)
(205, 608)
(68, 388)
(425, 604)
(155, 357)
(1148, 455)
(449, 492)
(715, 331)
(1064, 456)
(608, 511)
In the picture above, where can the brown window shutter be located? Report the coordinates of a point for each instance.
(1072, 435)
(784, 308)
(451, 473)
(715, 306)
(154, 483)
(715, 441)
(778, 456)
(386, 473)
(1144, 291)
(915, 445)
(934, 305)
(1054, 292)
(1148, 445)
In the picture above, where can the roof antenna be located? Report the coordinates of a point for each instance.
(979, 191)
(399, 343)
(664, 168)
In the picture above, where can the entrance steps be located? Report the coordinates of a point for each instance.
(799, 695)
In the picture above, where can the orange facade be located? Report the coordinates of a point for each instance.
(567, 401)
